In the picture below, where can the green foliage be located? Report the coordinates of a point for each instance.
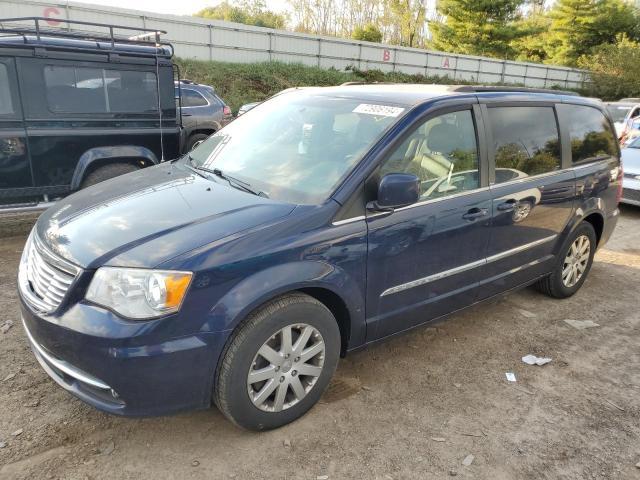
(368, 33)
(532, 45)
(579, 26)
(478, 27)
(409, 16)
(615, 69)
(247, 12)
(240, 83)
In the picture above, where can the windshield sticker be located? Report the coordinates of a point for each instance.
(378, 110)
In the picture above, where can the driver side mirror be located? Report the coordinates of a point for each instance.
(396, 190)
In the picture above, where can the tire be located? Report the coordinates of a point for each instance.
(106, 172)
(553, 285)
(232, 386)
(195, 139)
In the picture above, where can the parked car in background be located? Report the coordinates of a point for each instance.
(621, 112)
(246, 107)
(631, 165)
(631, 131)
(630, 100)
(77, 109)
(203, 111)
(324, 220)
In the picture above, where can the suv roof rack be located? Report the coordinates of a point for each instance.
(29, 31)
(496, 88)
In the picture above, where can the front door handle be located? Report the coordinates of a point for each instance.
(507, 206)
(475, 213)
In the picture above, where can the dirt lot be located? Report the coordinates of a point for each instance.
(414, 407)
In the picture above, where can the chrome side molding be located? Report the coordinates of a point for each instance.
(463, 268)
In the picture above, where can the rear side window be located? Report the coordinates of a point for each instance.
(591, 135)
(6, 105)
(96, 90)
(191, 98)
(525, 140)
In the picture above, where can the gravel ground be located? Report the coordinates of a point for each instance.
(415, 407)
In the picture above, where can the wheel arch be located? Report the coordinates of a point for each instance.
(592, 213)
(328, 284)
(338, 308)
(99, 156)
(596, 219)
(204, 131)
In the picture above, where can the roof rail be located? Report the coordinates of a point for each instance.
(346, 84)
(31, 31)
(496, 88)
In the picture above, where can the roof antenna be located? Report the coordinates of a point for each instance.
(159, 102)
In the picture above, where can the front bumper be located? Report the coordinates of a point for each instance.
(124, 368)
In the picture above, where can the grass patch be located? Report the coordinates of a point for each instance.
(240, 83)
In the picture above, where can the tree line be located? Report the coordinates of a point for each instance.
(599, 35)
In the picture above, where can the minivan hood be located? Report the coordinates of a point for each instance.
(147, 217)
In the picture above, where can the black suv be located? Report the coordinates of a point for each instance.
(77, 108)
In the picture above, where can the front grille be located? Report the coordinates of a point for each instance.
(630, 194)
(44, 277)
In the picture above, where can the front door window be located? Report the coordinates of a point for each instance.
(442, 153)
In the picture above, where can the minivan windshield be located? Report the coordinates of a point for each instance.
(298, 146)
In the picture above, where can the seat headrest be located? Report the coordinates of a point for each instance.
(443, 138)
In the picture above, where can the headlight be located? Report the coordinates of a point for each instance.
(139, 293)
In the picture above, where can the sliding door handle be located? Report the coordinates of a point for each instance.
(475, 213)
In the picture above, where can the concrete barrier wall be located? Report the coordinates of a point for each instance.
(231, 42)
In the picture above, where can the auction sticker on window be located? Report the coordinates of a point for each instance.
(379, 110)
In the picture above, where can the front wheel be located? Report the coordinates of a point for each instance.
(572, 265)
(107, 172)
(278, 364)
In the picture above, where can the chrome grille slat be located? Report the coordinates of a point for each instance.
(44, 278)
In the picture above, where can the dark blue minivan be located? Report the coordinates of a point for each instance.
(321, 221)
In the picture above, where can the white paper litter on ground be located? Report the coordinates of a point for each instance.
(511, 376)
(533, 360)
(582, 324)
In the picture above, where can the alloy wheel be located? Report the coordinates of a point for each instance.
(575, 263)
(286, 367)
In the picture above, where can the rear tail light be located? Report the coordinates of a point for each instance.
(620, 180)
(226, 110)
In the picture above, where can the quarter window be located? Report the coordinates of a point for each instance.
(96, 90)
(591, 135)
(191, 98)
(525, 141)
(442, 153)
(6, 104)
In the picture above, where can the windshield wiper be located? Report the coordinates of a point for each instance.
(193, 168)
(234, 182)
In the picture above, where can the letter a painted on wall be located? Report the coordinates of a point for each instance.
(445, 63)
(386, 55)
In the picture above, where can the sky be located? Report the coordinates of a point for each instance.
(179, 7)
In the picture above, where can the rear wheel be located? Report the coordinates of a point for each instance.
(572, 265)
(278, 363)
(106, 172)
